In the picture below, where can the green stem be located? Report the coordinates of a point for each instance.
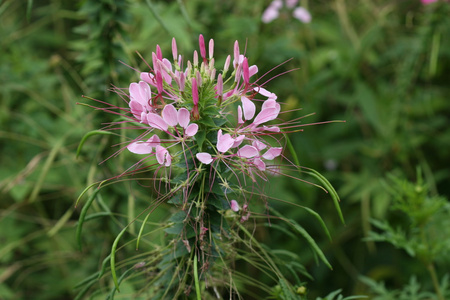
(434, 278)
(197, 283)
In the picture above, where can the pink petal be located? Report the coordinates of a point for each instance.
(248, 151)
(158, 52)
(134, 91)
(163, 156)
(204, 157)
(168, 159)
(211, 48)
(144, 118)
(227, 64)
(159, 82)
(272, 153)
(236, 53)
(266, 115)
(194, 91)
(191, 130)
(169, 114)
(245, 70)
(141, 93)
(140, 147)
(148, 77)
(259, 145)
(253, 70)
(166, 67)
(174, 49)
(154, 141)
(136, 109)
(249, 108)
(259, 164)
(240, 121)
(183, 117)
(234, 206)
(224, 142)
(219, 85)
(238, 141)
(270, 103)
(271, 129)
(157, 122)
(265, 92)
(201, 42)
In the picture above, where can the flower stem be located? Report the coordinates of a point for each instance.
(197, 284)
(434, 278)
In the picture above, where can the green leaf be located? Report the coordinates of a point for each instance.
(200, 138)
(334, 195)
(318, 176)
(83, 216)
(306, 235)
(88, 135)
(113, 257)
(114, 288)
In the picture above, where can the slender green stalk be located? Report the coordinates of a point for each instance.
(197, 284)
(434, 278)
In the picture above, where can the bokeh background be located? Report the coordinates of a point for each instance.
(382, 66)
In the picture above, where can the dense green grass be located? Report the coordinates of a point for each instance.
(380, 65)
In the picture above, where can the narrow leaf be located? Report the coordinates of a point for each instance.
(83, 216)
(88, 135)
(113, 257)
(334, 195)
(306, 235)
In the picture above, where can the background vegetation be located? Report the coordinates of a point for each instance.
(380, 65)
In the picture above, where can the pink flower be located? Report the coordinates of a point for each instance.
(140, 100)
(234, 206)
(270, 14)
(426, 2)
(170, 118)
(302, 15)
(291, 3)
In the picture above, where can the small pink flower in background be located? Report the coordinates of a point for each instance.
(426, 2)
(302, 15)
(291, 3)
(272, 12)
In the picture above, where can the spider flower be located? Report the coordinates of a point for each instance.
(211, 131)
(205, 122)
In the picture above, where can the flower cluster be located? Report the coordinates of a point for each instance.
(215, 116)
(272, 12)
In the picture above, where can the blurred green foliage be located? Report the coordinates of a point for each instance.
(380, 65)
